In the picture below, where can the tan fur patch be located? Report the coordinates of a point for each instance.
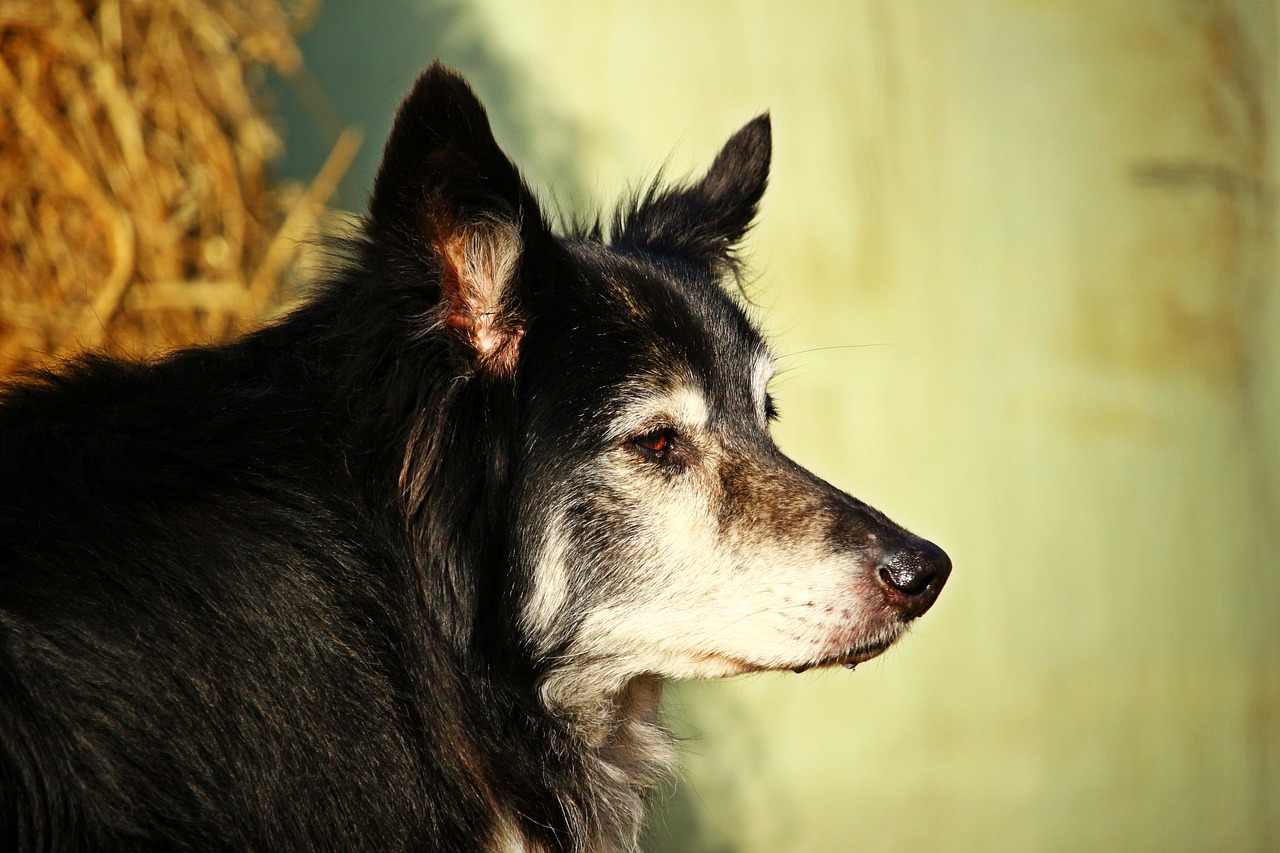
(479, 263)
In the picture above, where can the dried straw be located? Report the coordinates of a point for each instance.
(135, 208)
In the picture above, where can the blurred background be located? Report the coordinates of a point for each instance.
(1019, 260)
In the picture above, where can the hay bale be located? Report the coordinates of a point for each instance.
(135, 209)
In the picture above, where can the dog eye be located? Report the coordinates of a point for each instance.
(657, 444)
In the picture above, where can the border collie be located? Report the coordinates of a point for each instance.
(407, 570)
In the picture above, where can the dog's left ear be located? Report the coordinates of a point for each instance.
(447, 194)
(703, 223)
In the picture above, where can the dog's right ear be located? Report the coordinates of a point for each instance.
(447, 193)
(703, 223)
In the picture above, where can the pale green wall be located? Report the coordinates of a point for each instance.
(1020, 258)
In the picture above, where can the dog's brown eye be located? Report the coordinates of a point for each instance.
(658, 443)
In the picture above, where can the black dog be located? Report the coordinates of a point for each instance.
(407, 570)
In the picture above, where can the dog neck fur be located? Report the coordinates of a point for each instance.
(615, 720)
(611, 714)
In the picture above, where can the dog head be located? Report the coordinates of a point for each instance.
(658, 528)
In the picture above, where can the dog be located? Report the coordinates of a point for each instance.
(407, 569)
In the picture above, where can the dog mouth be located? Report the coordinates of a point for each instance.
(849, 658)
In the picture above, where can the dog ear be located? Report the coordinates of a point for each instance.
(448, 194)
(702, 223)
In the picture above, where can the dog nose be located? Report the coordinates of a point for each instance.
(914, 574)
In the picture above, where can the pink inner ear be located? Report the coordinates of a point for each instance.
(478, 265)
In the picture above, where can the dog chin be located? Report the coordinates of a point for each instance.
(852, 656)
(719, 665)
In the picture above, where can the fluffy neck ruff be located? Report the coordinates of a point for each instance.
(624, 750)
